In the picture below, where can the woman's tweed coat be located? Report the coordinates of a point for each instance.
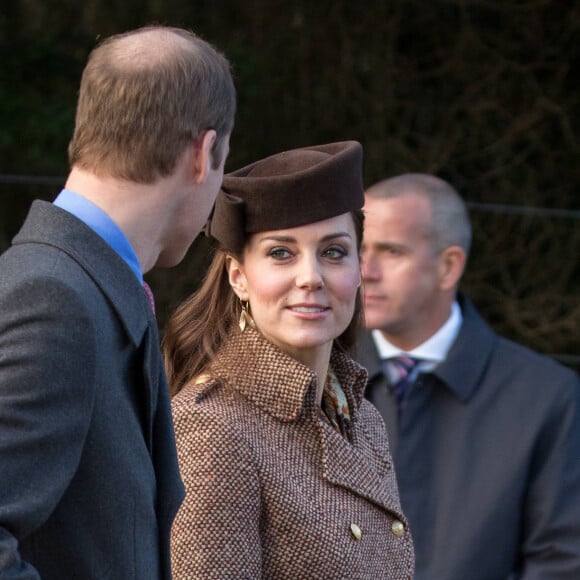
(272, 490)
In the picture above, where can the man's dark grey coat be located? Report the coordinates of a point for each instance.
(89, 482)
(487, 456)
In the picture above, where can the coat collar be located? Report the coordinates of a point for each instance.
(50, 225)
(464, 366)
(461, 371)
(277, 383)
(368, 355)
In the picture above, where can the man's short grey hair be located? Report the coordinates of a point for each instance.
(450, 225)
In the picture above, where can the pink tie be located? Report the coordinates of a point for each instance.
(149, 294)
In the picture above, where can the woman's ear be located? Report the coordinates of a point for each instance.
(451, 265)
(237, 278)
(203, 156)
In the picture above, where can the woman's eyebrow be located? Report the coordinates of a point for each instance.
(291, 239)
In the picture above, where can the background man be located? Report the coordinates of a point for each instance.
(89, 481)
(485, 433)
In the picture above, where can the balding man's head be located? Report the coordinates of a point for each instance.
(450, 224)
(145, 96)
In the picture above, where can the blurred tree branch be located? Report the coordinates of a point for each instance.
(480, 92)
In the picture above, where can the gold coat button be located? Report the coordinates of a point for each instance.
(356, 531)
(398, 529)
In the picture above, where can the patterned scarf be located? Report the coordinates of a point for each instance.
(334, 405)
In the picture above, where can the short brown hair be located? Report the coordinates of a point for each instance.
(449, 224)
(145, 96)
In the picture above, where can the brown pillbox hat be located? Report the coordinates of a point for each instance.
(286, 190)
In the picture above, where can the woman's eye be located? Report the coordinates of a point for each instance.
(335, 253)
(279, 253)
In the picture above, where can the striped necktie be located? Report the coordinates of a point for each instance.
(404, 366)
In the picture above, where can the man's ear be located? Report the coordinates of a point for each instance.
(203, 156)
(237, 278)
(451, 265)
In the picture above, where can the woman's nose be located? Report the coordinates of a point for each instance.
(309, 274)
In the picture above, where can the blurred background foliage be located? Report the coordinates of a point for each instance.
(480, 92)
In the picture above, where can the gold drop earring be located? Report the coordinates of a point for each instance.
(245, 316)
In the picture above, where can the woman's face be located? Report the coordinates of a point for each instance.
(301, 283)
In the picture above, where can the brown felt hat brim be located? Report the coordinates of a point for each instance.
(287, 190)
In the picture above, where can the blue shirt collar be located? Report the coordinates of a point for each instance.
(96, 219)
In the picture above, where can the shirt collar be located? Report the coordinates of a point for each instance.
(96, 219)
(433, 350)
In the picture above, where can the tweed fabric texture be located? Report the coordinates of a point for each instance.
(272, 490)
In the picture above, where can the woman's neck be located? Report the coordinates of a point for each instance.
(316, 359)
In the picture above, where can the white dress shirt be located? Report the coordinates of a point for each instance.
(430, 353)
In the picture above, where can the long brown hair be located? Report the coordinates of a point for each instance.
(201, 324)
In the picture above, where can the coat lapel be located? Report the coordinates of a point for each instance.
(48, 224)
(151, 382)
(361, 465)
(357, 466)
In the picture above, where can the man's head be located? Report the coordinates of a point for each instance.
(416, 241)
(145, 97)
